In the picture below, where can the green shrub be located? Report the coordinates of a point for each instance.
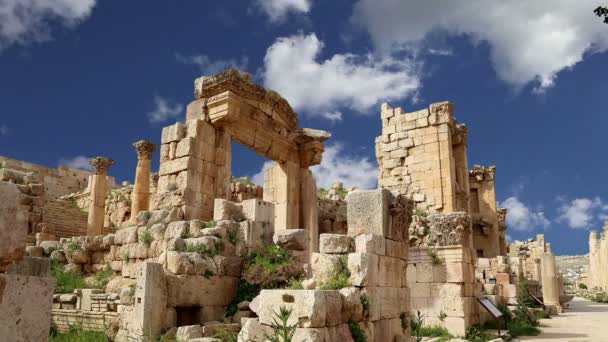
(271, 267)
(225, 335)
(582, 286)
(435, 258)
(404, 323)
(417, 322)
(519, 328)
(295, 284)
(210, 224)
(421, 212)
(339, 278)
(245, 292)
(282, 331)
(103, 277)
(356, 332)
(73, 246)
(66, 282)
(541, 315)
(77, 334)
(365, 303)
(146, 237)
(476, 334)
(271, 258)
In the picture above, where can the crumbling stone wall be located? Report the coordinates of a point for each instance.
(242, 189)
(422, 154)
(196, 157)
(482, 201)
(375, 254)
(440, 271)
(25, 296)
(598, 260)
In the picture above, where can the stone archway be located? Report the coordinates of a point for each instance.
(196, 157)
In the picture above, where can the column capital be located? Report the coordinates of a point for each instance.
(144, 149)
(101, 164)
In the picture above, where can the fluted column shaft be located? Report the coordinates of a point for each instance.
(99, 185)
(140, 198)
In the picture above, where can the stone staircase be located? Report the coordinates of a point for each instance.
(67, 219)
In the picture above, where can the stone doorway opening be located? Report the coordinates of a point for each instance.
(188, 315)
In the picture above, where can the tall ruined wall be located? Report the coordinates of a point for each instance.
(531, 253)
(422, 154)
(57, 182)
(598, 260)
(482, 201)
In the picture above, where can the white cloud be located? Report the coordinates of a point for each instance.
(336, 166)
(258, 178)
(332, 115)
(528, 40)
(3, 130)
(520, 217)
(344, 80)
(78, 162)
(209, 67)
(581, 212)
(164, 110)
(24, 21)
(277, 10)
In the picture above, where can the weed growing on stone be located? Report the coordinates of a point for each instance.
(245, 292)
(295, 284)
(146, 237)
(435, 258)
(77, 334)
(66, 282)
(339, 278)
(282, 331)
(356, 332)
(103, 277)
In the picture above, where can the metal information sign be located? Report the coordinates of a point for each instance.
(492, 309)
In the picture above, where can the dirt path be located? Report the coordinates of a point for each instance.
(584, 321)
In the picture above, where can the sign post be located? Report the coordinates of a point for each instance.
(492, 310)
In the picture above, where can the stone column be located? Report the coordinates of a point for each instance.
(140, 199)
(98, 194)
(550, 283)
(537, 271)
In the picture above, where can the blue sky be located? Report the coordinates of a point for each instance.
(80, 78)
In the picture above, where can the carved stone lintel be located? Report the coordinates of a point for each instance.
(144, 149)
(311, 153)
(101, 164)
(480, 173)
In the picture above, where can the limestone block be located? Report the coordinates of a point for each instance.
(225, 210)
(509, 290)
(397, 249)
(424, 272)
(78, 256)
(387, 302)
(34, 251)
(158, 231)
(369, 243)
(387, 329)
(25, 308)
(447, 290)
(173, 133)
(258, 210)
(411, 273)
(502, 278)
(352, 308)
(323, 266)
(292, 239)
(49, 246)
(253, 330)
(455, 273)
(420, 290)
(189, 332)
(335, 243)
(189, 290)
(439, 273)
(179, 263)
(58, 256)
(219, 232)
(126, 235)
(212, 313)
(367, 212)
(363, 269)
(177, 229)
(309, 307)
(391, 272)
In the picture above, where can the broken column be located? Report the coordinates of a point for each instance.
(98, 194)
(140, 199)
(550, 283)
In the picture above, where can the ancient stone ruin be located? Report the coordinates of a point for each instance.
(192, 253)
